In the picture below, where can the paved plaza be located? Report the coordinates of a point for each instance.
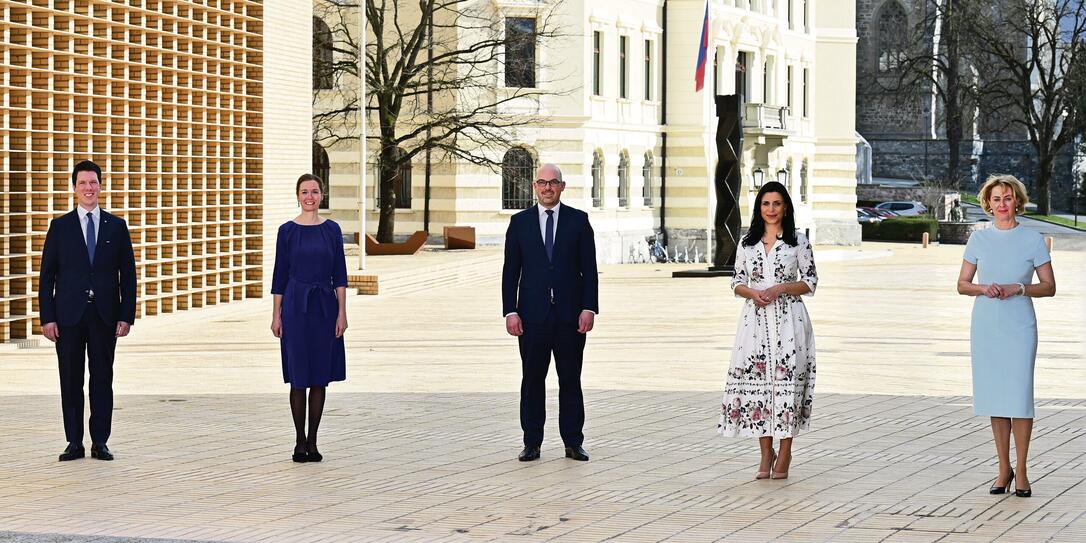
(420, 443)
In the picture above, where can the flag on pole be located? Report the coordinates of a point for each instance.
(703, 52)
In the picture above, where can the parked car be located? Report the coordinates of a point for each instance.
(904, 208)
(867, 217)
(884, 213)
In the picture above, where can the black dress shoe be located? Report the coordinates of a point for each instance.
(73, 452)
(529, 453)
(1002, 489)
(101, 452)
(577, 453)
(300, 457)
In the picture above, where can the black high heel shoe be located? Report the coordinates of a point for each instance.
(1022, 492)
(314, 456)
(1002, 489)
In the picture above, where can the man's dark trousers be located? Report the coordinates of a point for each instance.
(536, 345)
(94, 340)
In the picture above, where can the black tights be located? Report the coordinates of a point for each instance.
(297, 409)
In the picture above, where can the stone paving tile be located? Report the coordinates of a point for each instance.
(421, 441)
(637, 488)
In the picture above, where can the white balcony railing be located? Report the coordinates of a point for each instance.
(764, 117)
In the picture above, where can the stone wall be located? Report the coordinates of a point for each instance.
(876, 111)
(927, 159)
(958, 232)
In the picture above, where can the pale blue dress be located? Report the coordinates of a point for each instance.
(1003, 334)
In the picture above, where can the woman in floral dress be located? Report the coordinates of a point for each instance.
(771, 378)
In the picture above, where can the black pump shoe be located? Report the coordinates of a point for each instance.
(314, 456)
(1005, 488)
(1022, 492)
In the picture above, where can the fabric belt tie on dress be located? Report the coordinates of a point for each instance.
(311, 288)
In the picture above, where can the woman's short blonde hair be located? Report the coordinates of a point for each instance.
(1008, 181)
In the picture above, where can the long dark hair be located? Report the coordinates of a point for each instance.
(757, 223)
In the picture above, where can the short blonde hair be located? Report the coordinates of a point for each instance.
(1008, 181)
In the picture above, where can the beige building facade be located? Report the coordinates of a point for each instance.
(615, 72)
(192, 109)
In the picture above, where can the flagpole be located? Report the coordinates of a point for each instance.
(362, 136)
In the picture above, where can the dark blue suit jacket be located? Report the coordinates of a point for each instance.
(528, 276)
(67, 274)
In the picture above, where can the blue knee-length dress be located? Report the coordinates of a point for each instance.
(309, 266)
(1003, 333)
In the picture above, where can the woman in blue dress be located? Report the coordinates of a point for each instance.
(309, 312)
(1003, 333)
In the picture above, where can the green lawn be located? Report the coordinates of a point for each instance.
(970, 198)
(1059, 220)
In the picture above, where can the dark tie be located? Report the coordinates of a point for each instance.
(548, 242)
(90, 237)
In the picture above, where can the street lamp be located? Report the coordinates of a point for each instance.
(782, 176)
(758, 175)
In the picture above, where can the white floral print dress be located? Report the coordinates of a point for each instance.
(770, 385)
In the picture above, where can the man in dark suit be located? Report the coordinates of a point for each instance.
(87, 299)
(550, 297)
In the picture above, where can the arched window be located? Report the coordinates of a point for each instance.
(322, 55)
(401, 182)
(646, 175)
(597, 179)
(624, 180)
(891, 34)
(803, 182)
(517, 172)
(322, 168)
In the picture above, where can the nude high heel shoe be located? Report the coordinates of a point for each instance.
(766, 474)
(777, 474)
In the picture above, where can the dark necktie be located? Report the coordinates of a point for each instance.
(90, 237)
(548, 242)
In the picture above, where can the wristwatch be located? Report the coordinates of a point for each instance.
(1021, 289)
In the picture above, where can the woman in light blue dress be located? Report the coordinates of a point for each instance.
(1003, 334)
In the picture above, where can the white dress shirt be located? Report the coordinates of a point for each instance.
(97, 214)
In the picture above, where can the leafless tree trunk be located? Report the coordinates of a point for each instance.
(933, 58)
(454, 98)
(1035, 49)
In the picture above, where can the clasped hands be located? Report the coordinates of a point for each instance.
(1002, 291)
(515, 327)
(762, 298)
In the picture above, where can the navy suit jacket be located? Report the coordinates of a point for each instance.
(528, 277)
(67, 274)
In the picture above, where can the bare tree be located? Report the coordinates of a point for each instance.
(1035, 48)
(930, 61)
(451, 77)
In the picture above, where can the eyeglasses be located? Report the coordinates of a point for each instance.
(541, 183)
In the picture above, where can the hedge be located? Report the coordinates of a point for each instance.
(900, 229)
